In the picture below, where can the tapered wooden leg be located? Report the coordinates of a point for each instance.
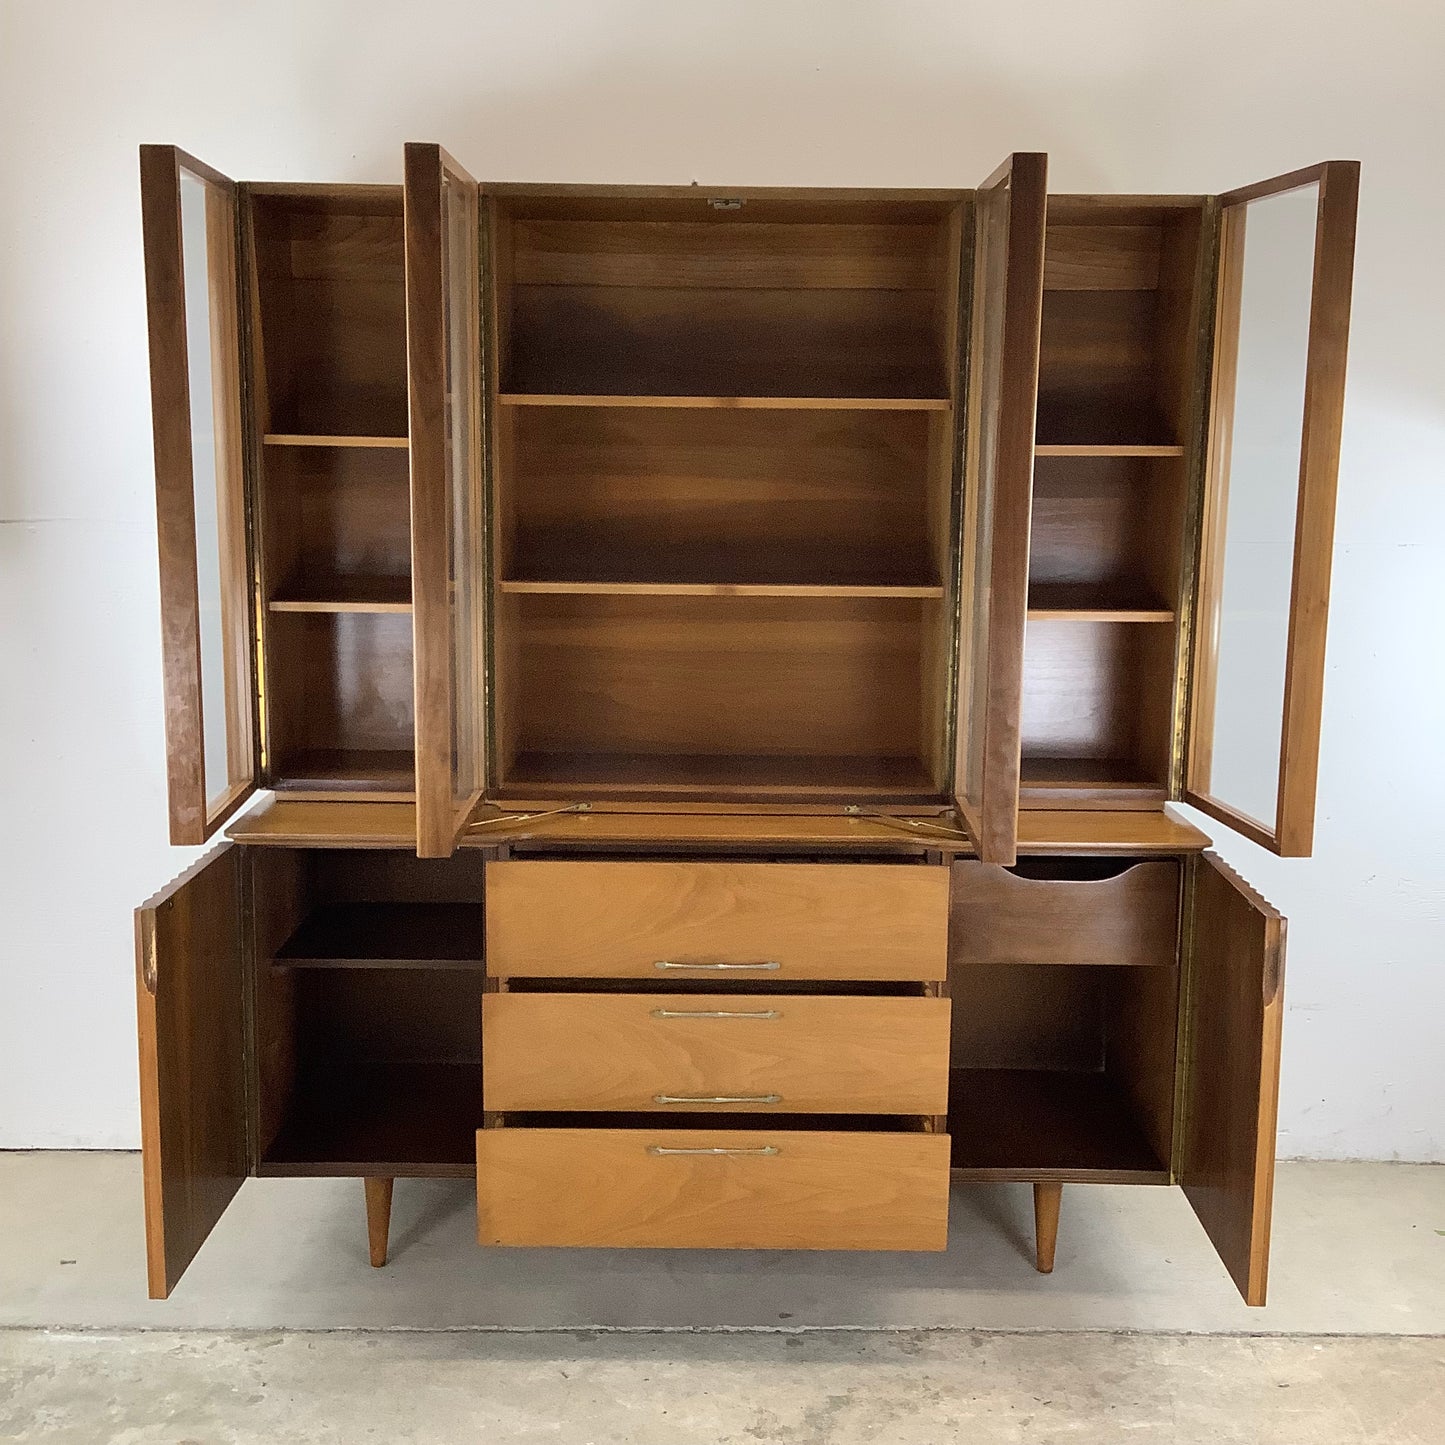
(378, 1218)
(1046, 1224)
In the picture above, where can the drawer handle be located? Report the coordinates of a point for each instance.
(716, 1013)
(663, 1149)
(669, 963)
(717, 1098)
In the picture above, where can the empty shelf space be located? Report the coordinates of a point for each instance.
(358, 770)
(680, 776)
(734, 403)
(399, 1118)
(345, 594)
(727, 589)
(1102, 425)
(292, 439)
(1046, 773)
(387, 935)
(1088, 602)
(1047, 1124)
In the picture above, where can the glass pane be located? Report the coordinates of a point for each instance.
(463, 401)
(212, 364)
(986, 350)
(1270, 256)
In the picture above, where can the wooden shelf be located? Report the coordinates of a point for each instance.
(1086, 602)
(399, 1118)
(294, 439)
(387, 935)
(1060, 778)
(737, 403)
(679, 776)
(351, 770)
(1041, 1124)
(1106, 449)
(346, 594)
(722, 589)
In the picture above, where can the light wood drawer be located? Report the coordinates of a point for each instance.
(708, 921)
(746, 1189)
(1130, 918)
(780, 1052)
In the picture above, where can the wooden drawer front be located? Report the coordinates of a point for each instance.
(707, 921)
(750, 1189)
(673, 1052)
(1132, 918)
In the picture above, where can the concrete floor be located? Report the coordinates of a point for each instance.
(893, 1348)
(819, 1388)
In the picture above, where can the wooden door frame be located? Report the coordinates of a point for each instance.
(1292, 832)
(193, 816)
(994, 824)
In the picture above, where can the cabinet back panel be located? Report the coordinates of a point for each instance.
(1097, 693)
(1114, 524)
(342, 685)
(719, 496)
(629, 340)
(732, 674)
(331, 313)
(335, 518)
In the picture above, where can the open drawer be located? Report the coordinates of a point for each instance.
(723, 1188)
(1066, 911)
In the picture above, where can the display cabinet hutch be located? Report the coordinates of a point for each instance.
(718, 660)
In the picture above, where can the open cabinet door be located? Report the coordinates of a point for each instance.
(1003, 385)
(189, 978)
(1281, 328)
(188, 216)
(1232, 1034)
(444, 383)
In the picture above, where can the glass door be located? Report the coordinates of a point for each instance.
(188, 217)
(1008, 280)
(1281, 328)
(444, 383)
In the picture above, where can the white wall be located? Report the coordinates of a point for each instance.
(1125, 95)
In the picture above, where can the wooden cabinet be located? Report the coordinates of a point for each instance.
(718, 661)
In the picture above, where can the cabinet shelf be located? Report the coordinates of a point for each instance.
(350, 770)
(296, 439)
(538, 774)
(346, 594)
(1107, 449)
(722, 589)
(387, 935)
(1069, 1125)
(1085, 602)
(736, 403)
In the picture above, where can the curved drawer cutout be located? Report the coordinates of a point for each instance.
(1128, 919)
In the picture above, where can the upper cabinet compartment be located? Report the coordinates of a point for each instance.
(1281, 329)
(707, 294)
(190, 233)
(327, 297)
(1120, 359)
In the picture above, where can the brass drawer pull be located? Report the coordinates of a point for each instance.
(716, 1013)
(663, 1149)
(669, 963)
(717, 1098)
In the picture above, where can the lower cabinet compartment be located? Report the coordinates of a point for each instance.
(755, 1188)
(1063, 1073)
